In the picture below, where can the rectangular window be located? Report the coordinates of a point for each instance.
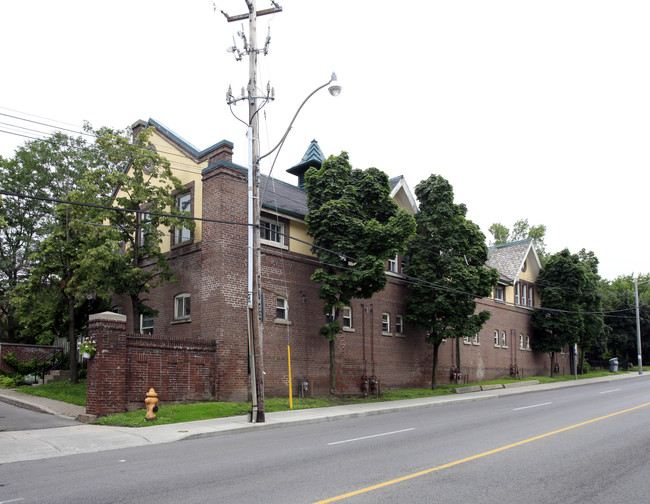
(517, 293)
(521, 341)
(272, 231)
(281, 309)
(182, 307)
(392, 265)
(496, 338)
(385, 322)
(184, 204)
(504, 340)
(399, 324)
(475, 340)
(347, 317)
(530, 296)
(498, 293)
(527, 342)
(524, 290)
(466, 340)
(146, 324)
(144, 224)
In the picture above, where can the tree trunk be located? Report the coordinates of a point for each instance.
(332, 369)
(72, 338)
(434, 372)
(552, 364)
(136, 313)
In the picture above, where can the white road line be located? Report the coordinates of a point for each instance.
(369, 437)
(533, 406)
(608, 391)
(12, 500)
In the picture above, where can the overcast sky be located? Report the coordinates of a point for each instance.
(536, 110)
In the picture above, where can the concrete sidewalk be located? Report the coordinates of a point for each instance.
(84, 438)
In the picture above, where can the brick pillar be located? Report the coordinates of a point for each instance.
(107, 370)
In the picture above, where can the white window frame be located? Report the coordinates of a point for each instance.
(521, 341)
(504, 339)
(517, 292)
(530, 296)
(499, 293)
(281, 308)
(496, 337)
(183, 234)
(466, 340)
(182, 306)
(392, 264)
(346, 317)
(524, 297)
(527, 342)
(149, 327)
(274, 230)
(475, 340)
(385, 323)
(399, 324)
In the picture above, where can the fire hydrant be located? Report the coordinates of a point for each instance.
(152, 405)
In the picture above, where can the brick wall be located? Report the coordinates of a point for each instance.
(126, 366)
(25, 353)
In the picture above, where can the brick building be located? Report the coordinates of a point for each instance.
(211, 266)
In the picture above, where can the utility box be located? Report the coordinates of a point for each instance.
(613, 365)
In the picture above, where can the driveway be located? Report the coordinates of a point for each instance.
(14, 418)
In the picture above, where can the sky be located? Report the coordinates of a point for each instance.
(535, 110)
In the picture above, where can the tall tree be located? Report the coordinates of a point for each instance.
(32, 171)
(144, 192)
(592, 306)
(447, 257)
(356, 228)
(559, 321)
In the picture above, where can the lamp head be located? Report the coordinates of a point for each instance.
(335, 87)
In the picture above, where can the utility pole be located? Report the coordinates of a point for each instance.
(638, 326)
(255, 337)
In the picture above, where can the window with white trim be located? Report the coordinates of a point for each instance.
(475, 340)
(272, 231)
(517, 291)
(524, 291)
(184, 204)
(347, 317)
(521, 341)
(385, 323)
(527, 342)
(498, 293)
(530, 296)
(504, 339)
(466, 340)
(399, 324)
(182, 306)
(392, 264)
(496, 338)
(281, 309)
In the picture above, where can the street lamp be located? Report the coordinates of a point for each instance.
(254, 312)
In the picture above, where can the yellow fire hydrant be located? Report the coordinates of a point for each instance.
(152, 405)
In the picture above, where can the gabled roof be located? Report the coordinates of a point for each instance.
(402, 194)
(180, 142)
(509, 258)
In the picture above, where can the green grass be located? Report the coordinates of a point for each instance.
(60, 391)
(176, 413)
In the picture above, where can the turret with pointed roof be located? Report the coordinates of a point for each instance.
(313, 157)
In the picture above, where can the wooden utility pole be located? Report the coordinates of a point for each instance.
(254, 303)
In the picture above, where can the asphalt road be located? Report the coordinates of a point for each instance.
(583, 444)
(13, 418)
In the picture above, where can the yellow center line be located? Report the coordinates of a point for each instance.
(473, 457)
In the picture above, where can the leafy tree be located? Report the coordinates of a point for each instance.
(356, 228)
(591, 305)
(566, 289)
(144, 189)
(26, 221)
(619, 305)
(520, 231)
(447, 256)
